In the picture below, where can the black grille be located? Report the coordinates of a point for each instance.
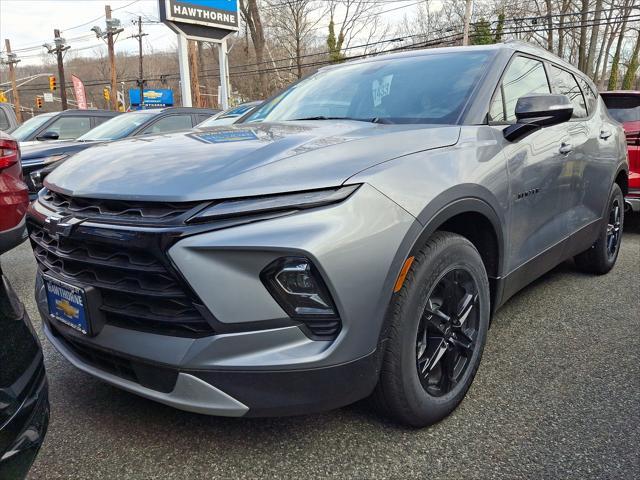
(138, 291)
(122, 211)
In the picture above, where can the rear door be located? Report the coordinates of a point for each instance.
(535, 164)
(581, 150)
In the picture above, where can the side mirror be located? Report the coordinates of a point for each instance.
(50, 135)
(538, 111)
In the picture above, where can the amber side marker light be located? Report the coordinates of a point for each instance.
(403, 274)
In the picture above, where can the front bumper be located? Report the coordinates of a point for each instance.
(257, 363)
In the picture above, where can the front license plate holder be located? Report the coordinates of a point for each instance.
(68, 304)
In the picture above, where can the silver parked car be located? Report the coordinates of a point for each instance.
(349, 238)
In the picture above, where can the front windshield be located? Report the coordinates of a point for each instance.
(117, 127)
(419, 89)
(25, 130)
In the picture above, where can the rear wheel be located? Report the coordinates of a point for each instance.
(437, 332)
(602, 255)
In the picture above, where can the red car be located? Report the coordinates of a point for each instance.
(14, 196)
(624, 106)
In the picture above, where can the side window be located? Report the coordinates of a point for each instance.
(589, 96)
(98, 120)
(524, 76)
(170, 124)
(564, 83)
(202, 117)
(4, 120)
(70, 127)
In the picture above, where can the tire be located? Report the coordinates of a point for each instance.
(602, 255)
(447, 267)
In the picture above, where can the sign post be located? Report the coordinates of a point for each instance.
(203, 20)
(183, 62)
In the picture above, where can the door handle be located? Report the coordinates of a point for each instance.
(566, 148)
(604, 134)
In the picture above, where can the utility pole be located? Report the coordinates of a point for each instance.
(112, 30)
(59, 48)
(141, 80)
(11, 61)
(467, 22)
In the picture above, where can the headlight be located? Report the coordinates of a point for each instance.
(274, 203)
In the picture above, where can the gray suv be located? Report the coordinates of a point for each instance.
(349, 238)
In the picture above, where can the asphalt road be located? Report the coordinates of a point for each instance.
(557, 396)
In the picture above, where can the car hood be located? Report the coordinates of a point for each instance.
(240, 160)
(35, 151)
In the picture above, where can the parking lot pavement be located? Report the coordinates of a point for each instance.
(557, 396)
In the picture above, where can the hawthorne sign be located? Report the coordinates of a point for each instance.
(201, 20)
(213, 19)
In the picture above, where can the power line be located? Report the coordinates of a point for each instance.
(446, 39)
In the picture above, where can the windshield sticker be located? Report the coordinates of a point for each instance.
(226, 136)
(381, 89)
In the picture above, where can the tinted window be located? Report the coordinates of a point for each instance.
(100, 120)
(589, 95)
(70, 127)
(24, 131)
(118, 127)
(564, 83)
(430, 88)
(623, 108)
(4, 120)
(171, 124)
(524, 76)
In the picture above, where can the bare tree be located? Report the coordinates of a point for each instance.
(615, 64)
(632, 67)
(251, 15)
(354, 18)
(293, 26)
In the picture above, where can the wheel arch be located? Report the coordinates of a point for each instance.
(458, 210)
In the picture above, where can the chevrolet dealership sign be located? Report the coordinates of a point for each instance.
(190, 16)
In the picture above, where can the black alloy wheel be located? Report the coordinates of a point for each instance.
(614, 229)
(447, 332)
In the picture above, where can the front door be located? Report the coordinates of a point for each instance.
(538, 180)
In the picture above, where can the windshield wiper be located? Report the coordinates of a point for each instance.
(322, 117)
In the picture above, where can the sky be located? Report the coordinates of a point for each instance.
(30, 23)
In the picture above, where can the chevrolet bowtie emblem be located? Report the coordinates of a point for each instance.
(68, 309)
(58, 226)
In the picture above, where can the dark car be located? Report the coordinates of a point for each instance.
(24, 406)
(624, 106)
(141, 122)
(8, 120)
(65, 125)
(230, 115)
(350, 237)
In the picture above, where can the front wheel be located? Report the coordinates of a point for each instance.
(438, 327)
(602, 255)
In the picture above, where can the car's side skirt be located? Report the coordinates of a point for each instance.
(539, 265)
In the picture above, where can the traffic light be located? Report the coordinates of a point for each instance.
(39, 102)
(106, 93)
(3, 97)
(52, 83)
